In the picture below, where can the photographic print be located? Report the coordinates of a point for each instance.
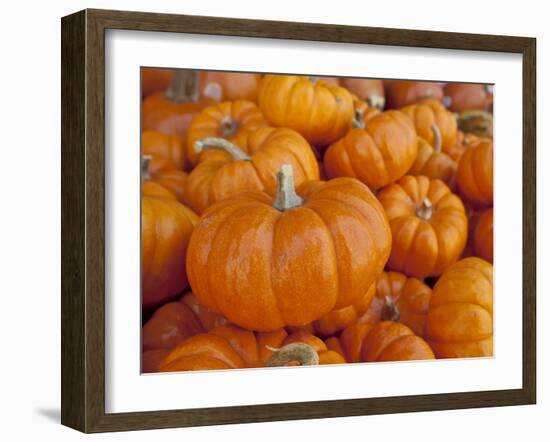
(297, 220)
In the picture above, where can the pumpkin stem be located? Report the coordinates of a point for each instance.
(296, 352)
(145, 160)
(425, 211)
(377, 101)
(390, 312)
(357, 122)
(314, 79)
(478, 122)
(184, 86)
(221, 144)
(286, 197)
(229, 127)
(437, 137)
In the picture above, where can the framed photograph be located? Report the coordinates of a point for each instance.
(266, 221)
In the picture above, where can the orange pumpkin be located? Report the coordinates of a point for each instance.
(428, 223)
(429, 113)
(166, 227)
(369, 90)
(252, 168)
(154, 80)
(483, 236)
(322, 112)
(326, 355)
(400, 93)
(432, 162)
(377, 154)
(171, 148)
(266, 264)
(152, 360)
(221, 86)
(459, 323)
(475, 174)
(462, 97)
(393, 341)
(171, 112)
(172, 180)
(229, 346)
(231, 120)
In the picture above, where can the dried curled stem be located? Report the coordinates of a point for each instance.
(296, 352)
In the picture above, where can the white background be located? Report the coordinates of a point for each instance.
(30, 233)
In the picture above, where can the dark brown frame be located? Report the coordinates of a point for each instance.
(83, 216)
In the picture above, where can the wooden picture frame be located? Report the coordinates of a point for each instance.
(83, 219)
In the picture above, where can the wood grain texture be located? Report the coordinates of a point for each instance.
(83, 220)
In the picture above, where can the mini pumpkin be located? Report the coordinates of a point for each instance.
(154, 80)
(475, 173)
(393, 341)
(172, 180)
(429, 113)
(267, 263)
(369, 90)
(168, 147)
(377, 154)
(321, 111)
(429, 225)
(231, 120)
(171, 112)
(432, 162)
(478, 123)
(222, 86)
(166, 227)
(483, 236)
(400, 93)
(459, 323)
(252, 168)
(462, 97)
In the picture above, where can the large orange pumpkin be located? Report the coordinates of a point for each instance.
(166, 227)
(322, 112)
(171, 112)
(462, 97)
(231, 120)
(460, 318)
(432, 162)
(369, 90)
(429, 113)
(252, 168)
(393, 341)
(475, 173)
(229, 346)
(266, 264)
(400, 93)
(428, 223)
(483, 236)
(377, 154)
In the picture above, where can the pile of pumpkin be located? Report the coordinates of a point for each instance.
(293, 220)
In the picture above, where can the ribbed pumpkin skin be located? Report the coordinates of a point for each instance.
(321, 111)
(377, 155)
(475, 173)
(152, 189)
(400, 93)
(229, 347)
(170, 147)
(425, 114)
(269, 148)
(432, 163)
(232, 120)
(460, 319)
(422, 247)
(265, 269)
(467, 96)
(166, 227)
(483, 236)
(173, 180)
(393, 341)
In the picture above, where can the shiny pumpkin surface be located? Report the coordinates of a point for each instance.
(429, 225)
(268, 149)
(475, 173)
(169, 147)
(433, 163)
(166, 227)
(483, 236)
(400, 93)
(460, 318)
(393, 341)
(232, 120)
(264, 268)
(429, 112)
(321, 111)
(377, 154)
